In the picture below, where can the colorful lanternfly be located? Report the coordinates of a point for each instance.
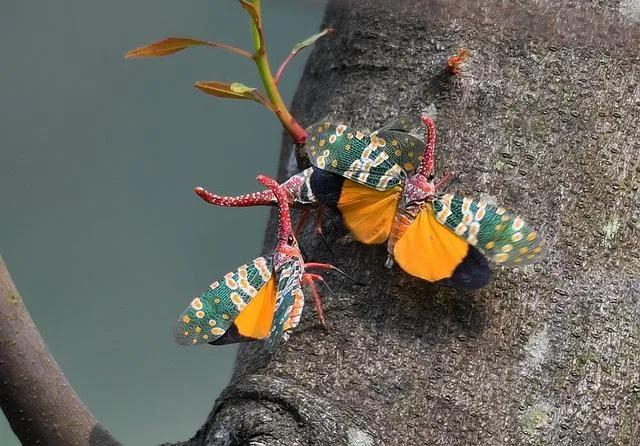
(262, 299)
(314, 189)
(432, 236)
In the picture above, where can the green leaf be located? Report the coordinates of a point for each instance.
(164, 47)
(310, 41)
(237, 87)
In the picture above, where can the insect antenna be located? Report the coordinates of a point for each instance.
(327, 245)
(333, 268)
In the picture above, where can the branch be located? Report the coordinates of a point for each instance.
(298, 134)
(297, 49)
(35, 396)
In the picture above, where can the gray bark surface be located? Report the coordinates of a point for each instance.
(544, 119)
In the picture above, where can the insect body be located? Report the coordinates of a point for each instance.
(259, 300)
(430, 235)
(297, 189)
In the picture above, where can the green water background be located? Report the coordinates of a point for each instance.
(99, 225)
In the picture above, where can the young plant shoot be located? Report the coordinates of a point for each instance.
(271, 97)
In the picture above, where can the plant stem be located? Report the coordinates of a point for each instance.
(299, 47)
(284, 64)
(233, 49)
(296, 131)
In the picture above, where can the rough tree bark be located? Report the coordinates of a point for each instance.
(544, 119)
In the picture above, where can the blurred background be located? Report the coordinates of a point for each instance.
(99, 224)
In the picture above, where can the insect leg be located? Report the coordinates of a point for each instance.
(307, 279)
(301, 222)
(328, 266)
(445, 180)
(318, 229)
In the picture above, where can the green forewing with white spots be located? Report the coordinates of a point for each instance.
(289, 303)
(211, 314)
(499, 234)
(380, 160)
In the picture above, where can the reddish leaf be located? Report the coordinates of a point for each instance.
(224, 90)
(235, 90)
(164, 47)
(253, 12)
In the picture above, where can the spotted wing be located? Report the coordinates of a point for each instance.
(499, 234)
(380, 160)
(289, 303)
(432, 252)
(237, 308)
(405, 150)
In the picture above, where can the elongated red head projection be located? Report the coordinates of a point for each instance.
(287, 244)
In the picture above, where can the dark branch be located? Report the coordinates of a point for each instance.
(35, 396)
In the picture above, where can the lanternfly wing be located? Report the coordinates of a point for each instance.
(432, 252)
(380, 160)
(499, 234)
(472, 273)
(237, 308)
(289, 303)
(367, 212)
(404, 149)
(325, 187)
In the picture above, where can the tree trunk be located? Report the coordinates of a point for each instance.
(544, 119)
